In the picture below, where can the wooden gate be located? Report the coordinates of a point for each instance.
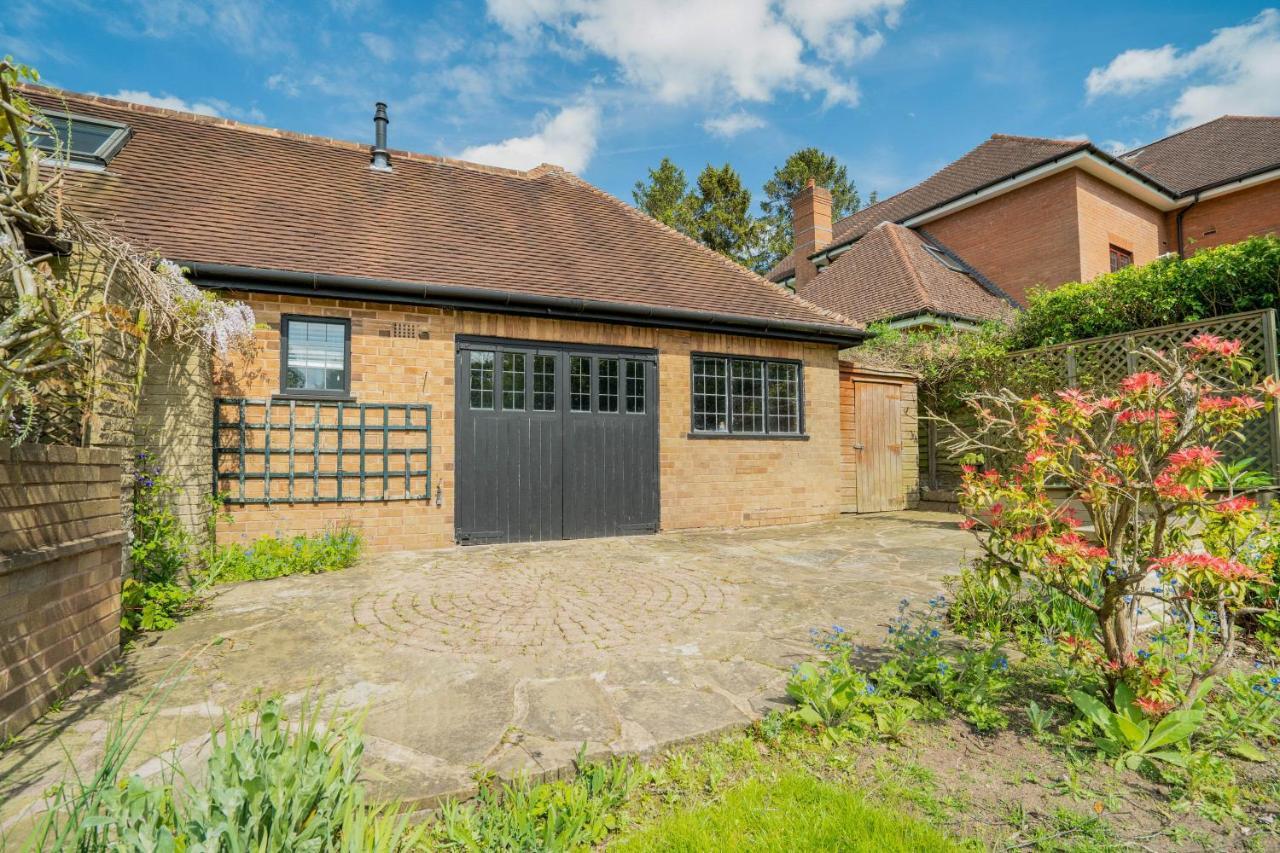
(878, 440)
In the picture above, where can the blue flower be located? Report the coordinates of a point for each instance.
(942, 666)
(837, 629)
(1001, 663)
(1143, 654)
(934, 634)
(870, 689)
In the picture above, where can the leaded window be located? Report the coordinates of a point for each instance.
(544, 383)
(513, 381)
(635, 387)
(607, 385)
(579, 383)
(746, 396)
(482, 379)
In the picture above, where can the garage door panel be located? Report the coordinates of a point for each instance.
(588, 468)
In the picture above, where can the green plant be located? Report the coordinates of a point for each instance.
(270, 557)
(561, 815)
(159, 587)
(1130, 738)
(267, 785)
(1040, 719)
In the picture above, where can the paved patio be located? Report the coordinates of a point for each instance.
(510, 657)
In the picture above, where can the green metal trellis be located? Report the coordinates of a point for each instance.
(295, 451)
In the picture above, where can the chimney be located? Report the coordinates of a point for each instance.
(379, 158)
(811, 223)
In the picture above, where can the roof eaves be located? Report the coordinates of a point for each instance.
(986, 283)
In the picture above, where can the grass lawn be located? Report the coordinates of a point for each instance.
(792, 812)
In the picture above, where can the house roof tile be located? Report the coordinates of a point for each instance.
(208, 190)
(1211, 153)
(890, 273)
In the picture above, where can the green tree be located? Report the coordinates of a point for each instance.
(665, 196)
(721, 215)
(789, 179)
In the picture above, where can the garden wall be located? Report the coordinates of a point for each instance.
(61, 540)
(175, 426)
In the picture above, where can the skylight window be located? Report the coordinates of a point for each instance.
(79, 139)
(945, 259)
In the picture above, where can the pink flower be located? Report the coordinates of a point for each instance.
(1220, 567)
(968, 524)
(1207, 344)
(1192, 458)
(1123, 451)
(1153, 707)
(1270, 386)
(1038, 455)
(1078, 402)
(1139, 382)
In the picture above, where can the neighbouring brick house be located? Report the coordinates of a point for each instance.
(970, 242)
(452, 352)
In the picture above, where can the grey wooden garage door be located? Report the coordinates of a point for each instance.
(554, 441)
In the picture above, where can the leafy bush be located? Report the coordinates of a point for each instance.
(270, 557)
(562, 815)
(159, 587)
(1223, 280)
(1142, 463)
(267, 786)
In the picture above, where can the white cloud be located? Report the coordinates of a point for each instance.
(1133, 71)
(567, 139)
(381, 47)
(248, 26)
(682, 50)
(211, 107)
(1235, 71)
(730, 125)
(1116, 147)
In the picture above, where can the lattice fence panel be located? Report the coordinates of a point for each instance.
(1098, 364)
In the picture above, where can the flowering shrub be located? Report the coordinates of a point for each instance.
(1145, 464)
(158, 588)
(272, 557)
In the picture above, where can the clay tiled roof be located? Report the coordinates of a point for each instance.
(212, 191)
(1211, 153)
(999, 157)
(889, 273)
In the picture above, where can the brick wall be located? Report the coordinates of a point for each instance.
(1107, 217)
(850, 457)
(1021, 239)
(60, 560)
(1230, 218)
(175, 424)
(704, 483)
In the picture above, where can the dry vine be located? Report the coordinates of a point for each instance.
(70, 289)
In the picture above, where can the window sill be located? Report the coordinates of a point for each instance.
(312, 398)
(741, 436)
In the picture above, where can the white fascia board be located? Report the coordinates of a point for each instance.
(1236, 186)
(1086, 161)
(932, 320)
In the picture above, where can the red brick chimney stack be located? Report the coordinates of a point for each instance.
(811, 222)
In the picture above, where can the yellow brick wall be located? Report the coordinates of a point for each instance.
(705, 483)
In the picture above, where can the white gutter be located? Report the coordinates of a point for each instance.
(1236, 186)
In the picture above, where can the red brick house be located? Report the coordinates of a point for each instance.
(453, 352)
(969, 242)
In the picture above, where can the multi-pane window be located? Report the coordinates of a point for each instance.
(314, 356)
(579, 383)
(80, 139)
(1120, 258)
(482, 379)
(544, 383)
(784, 397)
(635, 387)
(513, 380)
(746, 396)
(710, 395)
(607, 385)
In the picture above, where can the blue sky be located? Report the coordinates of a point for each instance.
(894, 88)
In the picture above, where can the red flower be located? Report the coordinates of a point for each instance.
(968, 524)
(1207, 344)
(1240, 503)
(1221, 567)
(1193, 457)
(1143, 381)
(1123, 451)
(1153, 707)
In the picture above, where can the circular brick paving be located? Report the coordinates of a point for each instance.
(469, 606)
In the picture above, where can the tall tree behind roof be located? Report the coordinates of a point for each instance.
(722, 218)
(788, 179)
(665, 196)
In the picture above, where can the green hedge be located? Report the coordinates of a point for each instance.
(1224, 280)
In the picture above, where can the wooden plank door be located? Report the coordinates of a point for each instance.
(878, 413)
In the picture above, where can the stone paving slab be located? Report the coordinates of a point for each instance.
(509, 657)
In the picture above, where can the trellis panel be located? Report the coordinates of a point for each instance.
(322, 451)
(1098, 364)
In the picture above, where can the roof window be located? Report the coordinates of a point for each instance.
(945, 259)
(79, 139)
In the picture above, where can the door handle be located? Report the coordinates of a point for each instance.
(859, 447)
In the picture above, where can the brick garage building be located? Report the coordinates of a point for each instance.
(971, 241)
(450, 352)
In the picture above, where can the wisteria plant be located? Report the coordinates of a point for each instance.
(1166, 533)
